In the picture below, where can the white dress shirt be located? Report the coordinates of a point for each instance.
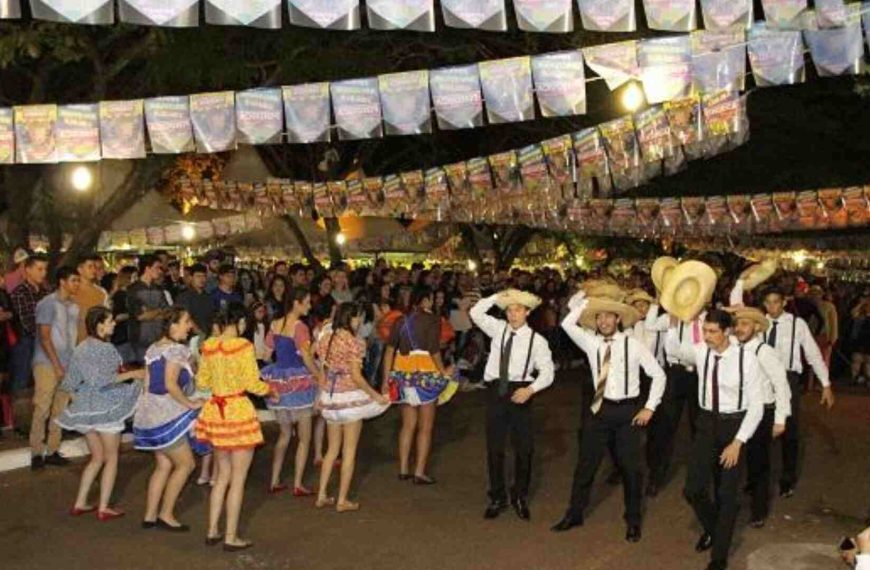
(862, 561)
(735, 394)
(790, 352)
(499, 331)
(774, 382)
(595, 346)
(685, 331)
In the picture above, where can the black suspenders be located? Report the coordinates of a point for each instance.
(740, 394)
(528, 356)
(704, 384)
(791, 348)
(626, 367)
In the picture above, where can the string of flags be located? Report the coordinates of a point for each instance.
(547, 16)
(701, 63)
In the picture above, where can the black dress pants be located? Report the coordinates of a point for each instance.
(716, 511)
(610, 428)
(681, 392)
(791, 437)
(758, 465)
(503, 419)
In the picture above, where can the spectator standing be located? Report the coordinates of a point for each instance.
(860, 340)
(226, 290)
(89, 293)
(276, 297)
(118, 302)
(24, 299)
(340, 286)
(146, 304)
(8, 339)
(197, 302)
(173, 283)
(16, 277)
(57, 317)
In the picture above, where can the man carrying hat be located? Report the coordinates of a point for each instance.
(618, 413)
(731, 407)
(749, 324)
(516, 352)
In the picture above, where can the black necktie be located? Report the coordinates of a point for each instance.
(771, 338)
(504, 366)
(715, 397)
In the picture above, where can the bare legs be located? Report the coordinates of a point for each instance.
(343, 438)
(319, 431)
(280, 452)
(419, 420)
(104, 456)
(303, 432)
(208, 470)
(173, 467)
(229, 489)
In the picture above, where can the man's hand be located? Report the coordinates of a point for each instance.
(642, 418)
(731, 455)
(778, 430)
(575, 301)
(827, 397)
(522, 395)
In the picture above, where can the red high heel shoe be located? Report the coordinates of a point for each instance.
(277, 489)
(302, 492)
(105, 516)
(77, 512)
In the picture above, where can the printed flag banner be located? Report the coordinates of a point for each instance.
(166, 13)
(259, 116)
(325, 14)
(306, 111)
(74, 11)
(671, 15)
(830, 13)
(616, 63)
(608, 15)
(560, 83)
(665, 67)
(10, 9)
(357, 107)
(169, 128)
(489, 15)
(417, 15)
(122, 129)
(719, 60)
(555, 16)
(507, 89)
(456, 96)
(78, 133)
(721, 14)
(784, 14)
(776, 56)
(836, 51)
(213, 116)
(254, 13)
(7, 136)
(405, 102)
(866, 18)
(34, 134)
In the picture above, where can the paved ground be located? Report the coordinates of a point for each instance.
(402, 526)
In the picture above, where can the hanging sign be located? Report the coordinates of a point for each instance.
(721, 14)
(456, 96)
(507, 89)
(169, 128)
(78, 133)
(357, 107)
(34, 134)
(325, 14)
(554, 16)
(306, 112)
(776, 56)
(167, 13)
(122, 129)
(416, 15)
(7, 136)
(213, 116)
(608, 15)
(254, 13)
(74, 11)
(405, 102)
(489, 15)
(616, 63)
(671, 15)
(259, 116)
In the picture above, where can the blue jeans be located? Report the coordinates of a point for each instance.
(373, 363)
(21, 364)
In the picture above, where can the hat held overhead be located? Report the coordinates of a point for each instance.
(510, 297)
(661, 269)
(757, 274)
(687, 289)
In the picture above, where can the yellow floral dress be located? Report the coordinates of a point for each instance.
(228, 370)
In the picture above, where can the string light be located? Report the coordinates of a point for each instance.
(188, 232)
(82, 179)
(340, 238)
(472, 265)
(632, 97)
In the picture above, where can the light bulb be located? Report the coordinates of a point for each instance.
(472, 265)
(188, 232)
(340, 238)
(632, 97)
(81, 178)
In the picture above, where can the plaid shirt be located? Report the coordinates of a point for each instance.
(24, 300)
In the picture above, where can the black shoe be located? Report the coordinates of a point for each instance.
(756, 523)
(521, 507)
(237, 548)
(163, 525)
(424, 480)
(704, 543)
(147, 525)
(786, 491)
(615, 478)
(494, 509)
(405, 477)
(213, 540)
(56, 459)
(568, 522)
(37, 462)
(632, 534)
(652, 489)
(717, 565)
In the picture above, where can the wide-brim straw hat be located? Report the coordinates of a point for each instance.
(757, 274)
(603, 288)
(661, 269)
(688, 288)
(628, 315)
(751, 313)
(510, 297)
(639, 295)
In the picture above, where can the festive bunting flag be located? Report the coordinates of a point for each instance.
(74, 11)
(865, 15)
(456, 96)
(167, 13)
(721, 14)
(306, 112)
(122, 129)
(169, 128)
(665, 67)
(78, 133)
(255, 13)
(830, 13)
(608, 15)
(487, 15)
(560, 83)
(507, 89)
(34, 134)
(10, 9)
(616, 63)
(357, 107)
(671, 15)
(719, 60)
(776, 56)
(784, 14)
(213, 116)
(405, 102)
(836, 51)
(555, 16)
(325, 14)
(7, 136)
(259, 116)
(417, 15)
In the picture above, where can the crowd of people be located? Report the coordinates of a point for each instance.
(188, 352)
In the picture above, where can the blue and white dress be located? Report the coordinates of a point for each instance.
(99, 402)
(160, 421)
(288, 376)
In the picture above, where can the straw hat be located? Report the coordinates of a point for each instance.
(757, 274)
(661, 269)
(638, 295)
(687, 289)
(510, 297)
(627, 314)
(751, 313)
(20, 256)
(603, 288)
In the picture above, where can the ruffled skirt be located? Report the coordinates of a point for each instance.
(104, 411)
(296, 388)
(160, 422)
(350, 406)
(229, 423)
(419, 382)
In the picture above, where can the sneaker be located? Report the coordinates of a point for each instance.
(37, 462)
(56, 459)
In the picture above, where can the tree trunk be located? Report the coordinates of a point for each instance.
(20, 183)
(509, 244)
(302, 240)
(332, 230)
(469, 240)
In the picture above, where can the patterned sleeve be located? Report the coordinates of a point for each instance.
(250, 374)
(204, 374)
(301, 335)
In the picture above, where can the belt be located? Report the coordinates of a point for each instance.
(770, 406)
(686, 367)
(222, 401)
(724, 415)
(625, 402)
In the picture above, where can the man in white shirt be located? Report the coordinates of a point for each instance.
(749, 324)
(618, 413)
(789, 335)
(516, 351)
(731, 407)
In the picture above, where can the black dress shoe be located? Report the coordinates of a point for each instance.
(405, 476)
(568, 522)
(786, 491)
(704, 543)
(56, 459)
(163, 525)
(494, 509)
(213, 540)
(424, 480)
(716, 565)
(37, 462)
(652, 489)
(147, 525)
(632, 534)
(521, 507)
